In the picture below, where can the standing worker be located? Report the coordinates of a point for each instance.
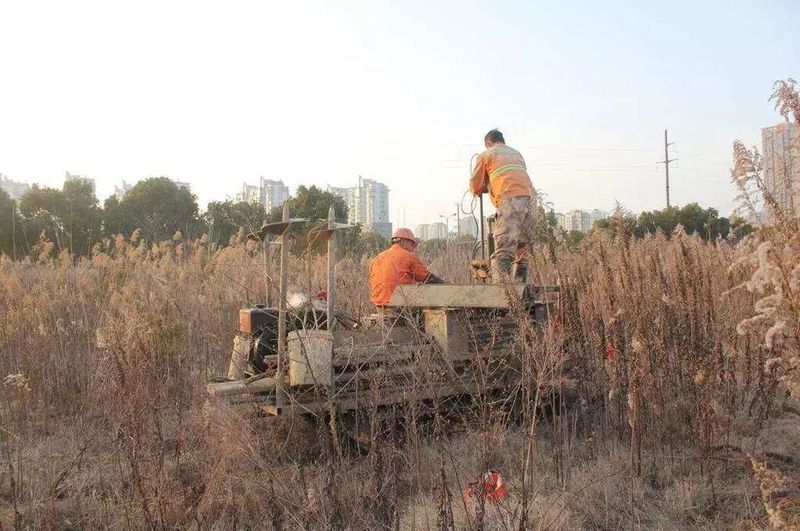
(397, 265)
(501, 171)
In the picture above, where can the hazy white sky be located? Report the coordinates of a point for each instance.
(402, 92)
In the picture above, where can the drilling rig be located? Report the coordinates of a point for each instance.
(433, 342)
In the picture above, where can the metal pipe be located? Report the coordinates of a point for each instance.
(267, 286)
(239, 387)
(483, 236)
(280, 398)
(331, 320)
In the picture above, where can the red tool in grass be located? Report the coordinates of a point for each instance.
(491, 487)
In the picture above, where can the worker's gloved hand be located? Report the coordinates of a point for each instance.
(433, 279)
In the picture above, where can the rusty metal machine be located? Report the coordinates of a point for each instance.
(431, 342)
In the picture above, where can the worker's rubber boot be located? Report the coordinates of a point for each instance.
(520, 273)
(501, 269)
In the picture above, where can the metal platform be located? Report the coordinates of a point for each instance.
(497, 296)
(431, 351)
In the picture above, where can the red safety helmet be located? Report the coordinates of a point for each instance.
(404, 234)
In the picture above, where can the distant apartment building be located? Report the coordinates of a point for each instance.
(14, 189)
(438, 231)
(781, 165)
(250, 193)
(375, 201)
(468, 226)
(73, 177)
(367, 205)
(579, 220)
(596, 215)
(120, 191)
(431, 231)
(348, 195)
(272, 193)
(268, 193)
(571, 220)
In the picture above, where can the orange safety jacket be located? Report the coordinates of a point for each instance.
(501, 171)
(393, 266)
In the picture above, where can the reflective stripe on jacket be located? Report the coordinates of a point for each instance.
(501, 171)
(393, 266)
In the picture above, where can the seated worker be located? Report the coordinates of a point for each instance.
(397, 265)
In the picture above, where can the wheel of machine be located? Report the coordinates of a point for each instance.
(354, 426)
(357, 426)
(265, 345)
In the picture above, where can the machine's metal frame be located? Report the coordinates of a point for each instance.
(435, 332)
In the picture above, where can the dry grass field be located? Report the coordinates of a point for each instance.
(676, 389)
(663, 394)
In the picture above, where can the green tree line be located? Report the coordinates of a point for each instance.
(71, 218)
(694, 219)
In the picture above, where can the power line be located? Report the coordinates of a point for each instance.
(706, 159)
(589, 170)
(569, 148)
(592, 166)
(559, 166)
(666, 162)
(708, 176)
(556, 148)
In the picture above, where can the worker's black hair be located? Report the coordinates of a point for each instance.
(494, 136)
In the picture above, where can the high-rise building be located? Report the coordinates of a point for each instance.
(72, 177)
(348, 195)
(375, 200)
(781, 164)
(268, 193)
(367, 205)
(272, 193)
(120, 191)
(596, 215)
(438, 231)
(577, 220)
(14, 189)
(468, 226)
(250, 194)
(431, 231)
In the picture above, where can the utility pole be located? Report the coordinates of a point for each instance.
(458, 221)
(447, 225)
(666, 162)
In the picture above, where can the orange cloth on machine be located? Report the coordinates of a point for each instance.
(501, 171)
(393, 266)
